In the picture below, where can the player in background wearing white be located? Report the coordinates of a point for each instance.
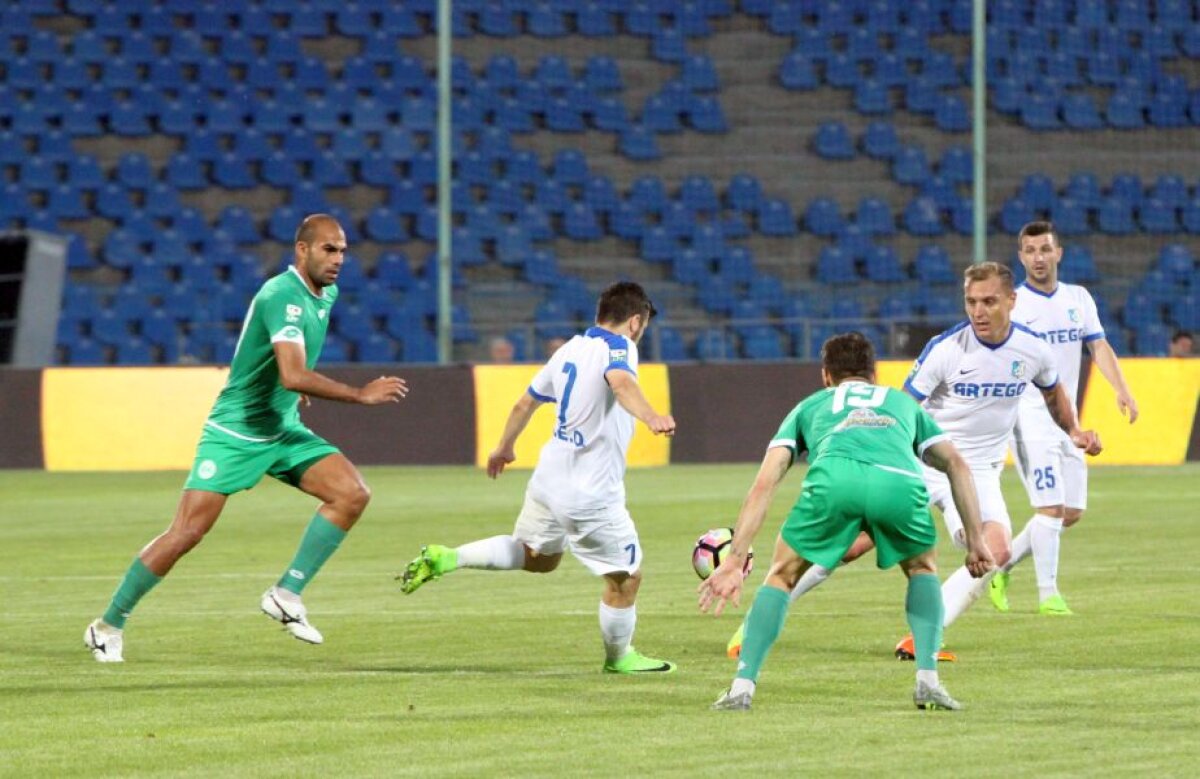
(970, 380)
(1053, 471)
(576, 497)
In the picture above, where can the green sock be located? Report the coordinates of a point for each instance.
(924, 609)
(321, 540)
(763, 624)
(137, 582)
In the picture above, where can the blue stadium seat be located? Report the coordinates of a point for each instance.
(698, 194)
(879, 141)
(1191, 216)
(950, 114)
(239, 223)
(1155, 216)
(833, 141)
(1069, 217)
(704, 114)
(1127, 187)
(834, 266)
(232, 172)
(872, 97)
(932, 265)
(775, 218)
(923, 217)
(639, 143)
(823, 217)
(744, 193)
(1078, 266)
(1084, 189)
(1079, 112)
(798, 73)
(883, 265)
(1124, 113)
(1015, 214)
(1171, 190)
(910, 166)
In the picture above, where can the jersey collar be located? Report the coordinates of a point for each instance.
(1012, 328)
(299, 278)
(1037, 291)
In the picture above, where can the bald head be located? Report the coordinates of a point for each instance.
(315, 224)
(320, 250)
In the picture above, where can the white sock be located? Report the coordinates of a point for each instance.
(1021, 545)
(498, 553)
(811, 578)
(959, 592)
(930, 678)
(616, 628)
(1045, 533)
(287, 596)
(740, 686)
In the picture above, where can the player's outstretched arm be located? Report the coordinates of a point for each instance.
(629, 394)
(1062, 411)
(945, 457)
(294, 375)
(1110, 368)
(518, 419)
(725, 583)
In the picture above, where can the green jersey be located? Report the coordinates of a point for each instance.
(859, 421)
(253, 404)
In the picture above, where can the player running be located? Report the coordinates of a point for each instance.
(1053, 471)
(254, 429)
(576, 497)
(865, 443)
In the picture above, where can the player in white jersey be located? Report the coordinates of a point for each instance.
(970, 379)
(576, 497)
(1053, 471)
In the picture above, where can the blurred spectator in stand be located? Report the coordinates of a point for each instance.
(1181, 344)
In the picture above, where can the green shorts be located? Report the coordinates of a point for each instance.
(227, 464)
(841, 497)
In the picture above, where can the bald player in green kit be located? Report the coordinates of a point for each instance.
(254, 430)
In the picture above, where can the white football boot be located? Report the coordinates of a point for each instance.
(291, 612)
(105, 642)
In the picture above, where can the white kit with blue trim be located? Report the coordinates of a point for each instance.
(972, 388)
(582, 466)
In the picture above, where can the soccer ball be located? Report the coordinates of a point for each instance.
(710, 551)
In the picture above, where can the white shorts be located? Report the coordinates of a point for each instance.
(604, 540)
(1053, 470)
(991, 499)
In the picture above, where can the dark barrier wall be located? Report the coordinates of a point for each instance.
(20, 419)
(728, 413)
(434, 425)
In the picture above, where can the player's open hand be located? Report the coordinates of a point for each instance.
(498, 460)
(385, 389)
(724, 584)
(1128, 406)
(1088, 441)
(661, 424)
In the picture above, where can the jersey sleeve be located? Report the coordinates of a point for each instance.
(929, 370)
(542, 386)
(926, 433)
(281, 317)
(1093, 328)
(790, 435)
(1047, 375)
(622, 354)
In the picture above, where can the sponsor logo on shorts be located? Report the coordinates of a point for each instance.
(207, 469)
(294, 312)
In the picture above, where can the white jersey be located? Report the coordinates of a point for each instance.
(972, 388)
(1065, 319)
(582, 466)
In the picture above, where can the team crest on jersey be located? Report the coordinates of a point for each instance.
(1018, 369)
(1074, 314)
(293, 313)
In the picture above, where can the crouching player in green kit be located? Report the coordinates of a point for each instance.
(254, 430)
(863, 443)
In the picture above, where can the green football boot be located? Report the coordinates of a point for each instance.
(1054, 606)
(634, 662)
(432, 563)
(998, 591)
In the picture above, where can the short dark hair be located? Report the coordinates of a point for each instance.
(848, 354)
(622, 300)
(1034, 229)
(1179, 335)
(985, 270)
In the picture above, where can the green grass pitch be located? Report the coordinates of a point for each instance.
(498, 674)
